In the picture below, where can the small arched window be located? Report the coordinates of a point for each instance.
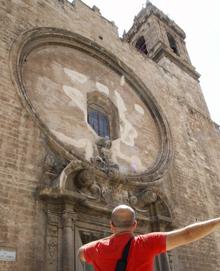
(102, 115)
(99, 121)
(172, 43)
(141, 45)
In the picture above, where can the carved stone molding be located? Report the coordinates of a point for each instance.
(83, 185)
(103, 159)
(141, 201)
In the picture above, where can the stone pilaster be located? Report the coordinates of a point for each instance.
(68, 218)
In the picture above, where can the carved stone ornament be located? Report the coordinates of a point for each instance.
(52, 247)
(103, 159)
(141, 201)
(86, 184)
(80, 180)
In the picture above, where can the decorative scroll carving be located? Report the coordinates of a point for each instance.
(107, 194)
(142, 200)
(53, 165)
(52, 250)
(83, 182)
(52, 240)
(86, 184)
(90, 181)
(103, 159)
(162, 208)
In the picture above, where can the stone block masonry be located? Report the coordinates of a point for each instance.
(174, 127)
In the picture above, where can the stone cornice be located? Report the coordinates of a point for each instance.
(161, 51)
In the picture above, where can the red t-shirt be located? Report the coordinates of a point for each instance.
(103, 254)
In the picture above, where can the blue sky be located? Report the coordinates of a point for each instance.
(201, 22)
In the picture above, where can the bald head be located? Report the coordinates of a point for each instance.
(123, 216)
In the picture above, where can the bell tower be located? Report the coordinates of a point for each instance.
(159, 38)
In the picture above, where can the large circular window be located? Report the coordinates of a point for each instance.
(74, 89)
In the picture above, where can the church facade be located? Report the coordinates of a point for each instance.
(90, 120)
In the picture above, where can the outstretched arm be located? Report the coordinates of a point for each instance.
(191, 233)
(81, 254)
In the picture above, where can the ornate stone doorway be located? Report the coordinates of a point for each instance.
(79, 203)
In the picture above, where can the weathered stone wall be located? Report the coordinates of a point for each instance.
(191, 187)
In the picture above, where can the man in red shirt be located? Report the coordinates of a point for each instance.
(103, 254)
